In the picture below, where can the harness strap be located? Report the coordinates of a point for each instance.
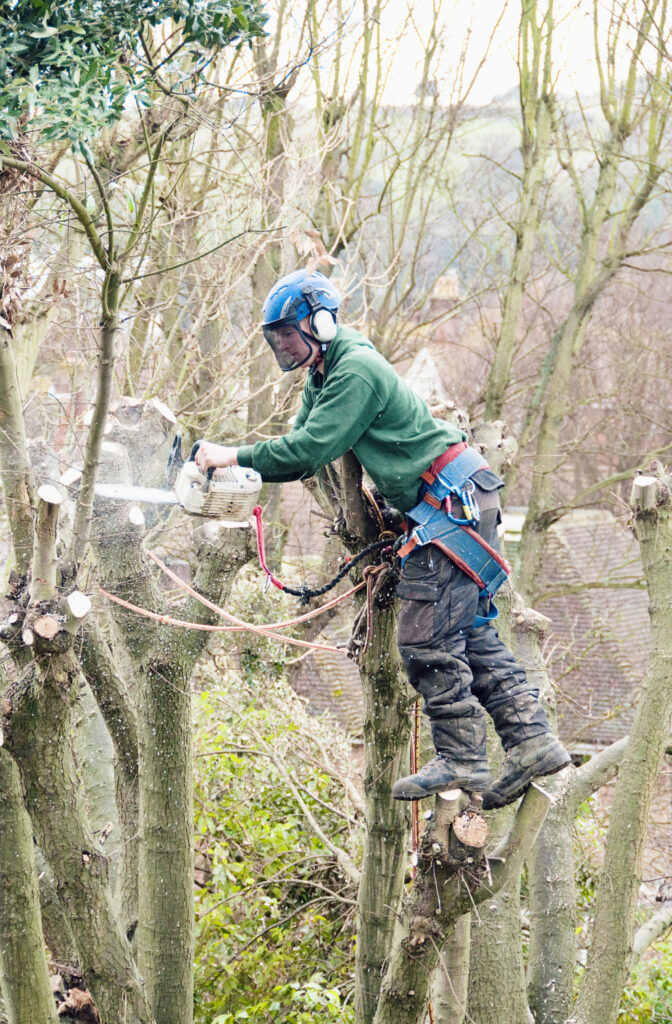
(433, 522)
(442, 460)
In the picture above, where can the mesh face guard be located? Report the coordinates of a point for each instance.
(290, 346)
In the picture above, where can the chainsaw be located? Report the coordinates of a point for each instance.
(227, 494)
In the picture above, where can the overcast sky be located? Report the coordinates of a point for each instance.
(476, 20)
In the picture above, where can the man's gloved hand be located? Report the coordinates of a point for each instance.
(392, 517)
(217, 455)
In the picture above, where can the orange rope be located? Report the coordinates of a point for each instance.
(168, 620)
(369, 571)
(267, 629)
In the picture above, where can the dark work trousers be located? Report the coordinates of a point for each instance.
(459, 670)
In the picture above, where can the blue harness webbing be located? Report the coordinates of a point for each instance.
(435, 524)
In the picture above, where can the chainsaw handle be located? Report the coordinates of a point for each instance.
(192, 457)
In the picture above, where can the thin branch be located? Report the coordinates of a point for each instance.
(596, 772)
(64, 193)
(201, 255)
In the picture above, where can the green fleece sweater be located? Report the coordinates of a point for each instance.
(359, 404)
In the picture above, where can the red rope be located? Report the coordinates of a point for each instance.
(415, 813)
(257, 513)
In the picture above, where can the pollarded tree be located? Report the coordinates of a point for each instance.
(74, 68)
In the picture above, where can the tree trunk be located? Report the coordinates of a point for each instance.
(536, 100)
(95, 759)
(24, 980)
(39, 739)
(496, 977)
(386, 731)
(610, 951)
(14, 465)
(452, 879)
(165, 894)
(552, 907)
(451, 978)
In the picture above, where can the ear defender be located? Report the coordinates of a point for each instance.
(322, 320)
(323, 325)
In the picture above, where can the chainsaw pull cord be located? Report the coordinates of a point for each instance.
(306, 593)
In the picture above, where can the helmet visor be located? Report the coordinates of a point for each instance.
(290, 346)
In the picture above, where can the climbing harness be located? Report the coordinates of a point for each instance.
(447, 484)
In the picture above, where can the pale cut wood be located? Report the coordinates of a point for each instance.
(645, 491)
(28, 637)
(136, 515)
(70, 476)
(78, 604)
(50, 494)
(448, 805)
(45, 562)
(46, 626)
(113, 448)
(471, 828)
(163, 410)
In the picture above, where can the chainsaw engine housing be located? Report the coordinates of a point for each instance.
(230, 493)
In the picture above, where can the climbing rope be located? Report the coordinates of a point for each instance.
(237, 624)
(307, 593)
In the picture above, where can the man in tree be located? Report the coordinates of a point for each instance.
(354, 400)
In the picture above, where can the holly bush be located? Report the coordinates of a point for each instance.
(68, 69)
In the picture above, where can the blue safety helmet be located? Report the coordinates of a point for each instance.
(290, 300)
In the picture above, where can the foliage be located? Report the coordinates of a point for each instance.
(275, 915)
(71, 67)
(648, 996)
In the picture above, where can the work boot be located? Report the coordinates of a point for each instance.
(443, 773)
(529, 760)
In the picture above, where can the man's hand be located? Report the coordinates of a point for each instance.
(217, 455)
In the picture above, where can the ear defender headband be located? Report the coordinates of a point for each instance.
(322, 320)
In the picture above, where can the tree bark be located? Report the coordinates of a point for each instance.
(451, 880)
(15, 467)
(118, 711)
(39, 725)
(386, 731)
(496, 979)
(166, 861)
(552, 888)
(451, 977)
(610, 952)
(24, 980)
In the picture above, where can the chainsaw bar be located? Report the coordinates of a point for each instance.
(148, 495)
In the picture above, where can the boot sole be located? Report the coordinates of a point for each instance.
(411, 791)
(549, 766)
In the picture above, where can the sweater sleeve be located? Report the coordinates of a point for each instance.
(346, 407)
